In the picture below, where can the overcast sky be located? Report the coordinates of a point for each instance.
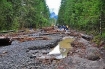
(54, 5)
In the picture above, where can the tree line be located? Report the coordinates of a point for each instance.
(86, 15)
(18, 14)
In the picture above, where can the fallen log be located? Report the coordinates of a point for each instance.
(48, 28)
(87, 37)
(23, 39)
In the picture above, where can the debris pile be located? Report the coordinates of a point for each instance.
(44, 49)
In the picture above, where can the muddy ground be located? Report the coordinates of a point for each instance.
(23, 55)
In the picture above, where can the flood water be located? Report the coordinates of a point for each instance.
(63, 47)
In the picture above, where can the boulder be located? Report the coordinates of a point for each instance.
(92, 53)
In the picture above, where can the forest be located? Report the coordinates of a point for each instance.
(19, 14)
(30, 38)
(85, 15)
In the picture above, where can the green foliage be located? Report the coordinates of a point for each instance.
(97, 39)
(85, 15)
(5, 14)
(18, 14)
(82, 14)
(15, 25)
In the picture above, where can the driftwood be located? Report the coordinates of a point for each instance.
(48, 28)
(23, 39)
(87, 37)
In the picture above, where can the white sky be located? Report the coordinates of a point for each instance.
(54, 5)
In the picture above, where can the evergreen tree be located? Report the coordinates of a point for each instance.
(18, 14)
(82, 14)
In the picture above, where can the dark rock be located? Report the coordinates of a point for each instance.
(32, 56)
(27, 50)
(5, 41)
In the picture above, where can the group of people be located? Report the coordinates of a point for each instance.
(63, 27)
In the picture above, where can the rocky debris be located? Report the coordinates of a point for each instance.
(19, 55)
(3, 53)
(84, 56)
(87, 37)
(46, 46)
(23, 35)
(102, 43)
(33, 54)
(89, 56)
(93, 53)
(23, 39)
(73, 33)
(37, 53)
(79, 35)
(76, 62)
(79, 43)
(48, 28)
(85, 49)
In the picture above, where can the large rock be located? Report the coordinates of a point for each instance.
(92, 53)
(76, 62)
(47, 45)
(80, 42)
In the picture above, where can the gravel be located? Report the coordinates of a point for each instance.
(17, 56)
(22, 55)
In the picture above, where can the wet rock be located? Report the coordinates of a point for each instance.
(92, 53)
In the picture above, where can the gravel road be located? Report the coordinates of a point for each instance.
(17, 56)
(22, 55)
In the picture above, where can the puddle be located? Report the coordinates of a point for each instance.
(62, 48)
